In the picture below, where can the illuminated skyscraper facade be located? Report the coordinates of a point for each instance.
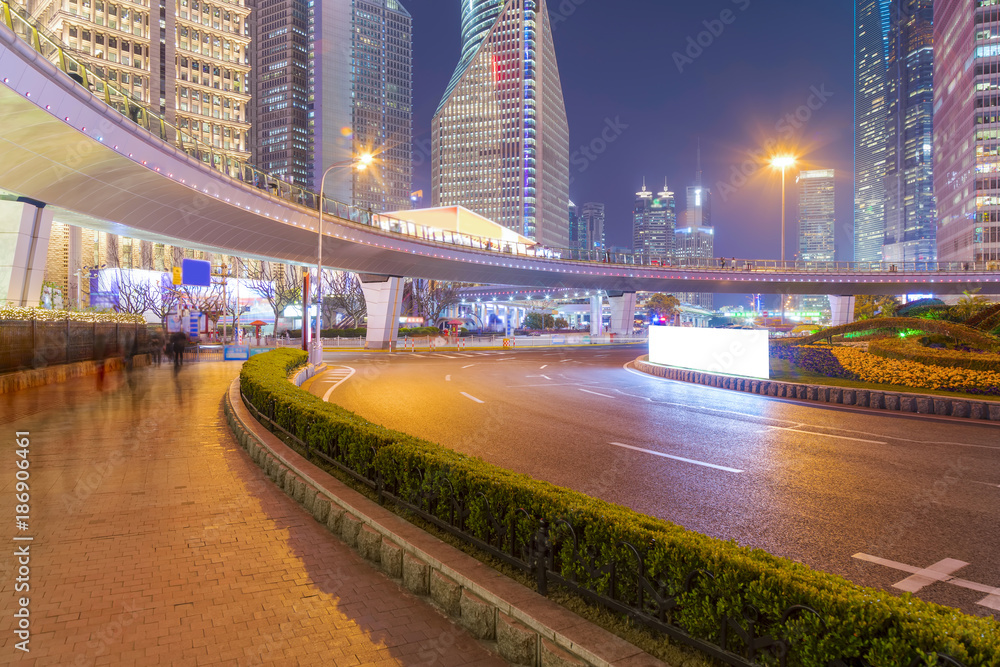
(500, 135)
(967, 129)
(870, 118)
(910, 205)
(695, 236)
(817, 220)
(592, 217)
(654, 220)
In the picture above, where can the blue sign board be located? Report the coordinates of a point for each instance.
(260, 350)
(194, 319)
(237, 353)
(196, 272)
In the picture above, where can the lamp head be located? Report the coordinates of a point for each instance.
(782, 161)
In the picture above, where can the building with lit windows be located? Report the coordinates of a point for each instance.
(185, 59)
(578, 239)
(694, 237)
(500, 138)
(870, 122)
(817, 220)
(333, 81)
(967, 130)
(654, 221)
(910, 205)
(592, 218)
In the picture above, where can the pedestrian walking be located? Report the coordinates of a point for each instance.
(178, 342)
(156, 348)
(100, 351)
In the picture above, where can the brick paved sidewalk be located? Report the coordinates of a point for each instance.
(157, 541)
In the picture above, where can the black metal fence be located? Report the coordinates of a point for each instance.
(548, 550)
(27, 344)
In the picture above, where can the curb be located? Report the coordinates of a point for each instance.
(871, 399)
(527, 629)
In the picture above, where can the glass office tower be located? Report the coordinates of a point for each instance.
(500, 135)
(654, 221)
(870, 51)
(910, 206)
(967, 130)
(816, 215)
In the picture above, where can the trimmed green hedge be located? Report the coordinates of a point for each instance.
(959, 332)
(857, 621)
(909, 350)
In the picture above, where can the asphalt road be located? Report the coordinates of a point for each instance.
(920, 498)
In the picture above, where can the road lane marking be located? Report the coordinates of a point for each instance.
(825, 435)
(939, 572)
(563, 361)
(594, 393)
(446, 356)
(677, 458)
(543, 367)
(995, 486)
(326, 396)
(472, 398)
(447, 378)
(469, 366)
(803, 404)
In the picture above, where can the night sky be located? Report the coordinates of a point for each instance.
(617, 63)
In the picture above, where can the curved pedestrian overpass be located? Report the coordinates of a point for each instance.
(100, 159)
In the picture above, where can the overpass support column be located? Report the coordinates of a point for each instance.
(622, 312)
(596, 314)
(841, 309)
(25, 226)
(384, 299)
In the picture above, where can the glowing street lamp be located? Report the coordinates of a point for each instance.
(359, 162)
(782, 162)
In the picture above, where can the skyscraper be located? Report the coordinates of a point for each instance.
(966, 134)
(500, 136)
(654, 220)
(817, 220)
(870, 99)
(694, 239)
(185, 58)
(910, 206)
(592, 217)
(578, 239)
(333, 81)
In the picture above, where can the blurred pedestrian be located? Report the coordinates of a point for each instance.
(178, 341)
(156, 348)
(100, 351)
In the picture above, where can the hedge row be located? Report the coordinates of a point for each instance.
(907, 350)
(857, 622)
(361, 333)
(959, 332)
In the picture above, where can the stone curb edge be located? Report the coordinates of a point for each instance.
(910, 404)
(528, 629)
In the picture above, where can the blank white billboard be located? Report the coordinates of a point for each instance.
(741, 352)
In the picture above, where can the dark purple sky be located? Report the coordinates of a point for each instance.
(616, 60)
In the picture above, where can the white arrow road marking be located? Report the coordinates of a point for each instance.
(340, 381)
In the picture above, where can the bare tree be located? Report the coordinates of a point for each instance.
(430, 298)
(133, 295)
(275, 286)
(343, 292)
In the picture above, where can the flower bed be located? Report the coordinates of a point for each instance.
(880, 370)
(855, 622)
(908, 350)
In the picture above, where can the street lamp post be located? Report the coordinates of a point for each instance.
(783, 162)
(361, 162)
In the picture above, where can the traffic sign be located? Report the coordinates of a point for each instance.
(178, 277)
(196, 272)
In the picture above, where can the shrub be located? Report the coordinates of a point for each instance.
(958, 332)
(815, 358)
(857, 622)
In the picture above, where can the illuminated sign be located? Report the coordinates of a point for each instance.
(742, 352)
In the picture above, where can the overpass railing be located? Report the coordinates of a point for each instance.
(92, 76)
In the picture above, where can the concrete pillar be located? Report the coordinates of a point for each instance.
(74, 263)
(384, 298)
(25, 227)
(596, 314)
(841, 309)
(622, 312)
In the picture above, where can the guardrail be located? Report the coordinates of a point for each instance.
(442, 343)
(92, 77)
